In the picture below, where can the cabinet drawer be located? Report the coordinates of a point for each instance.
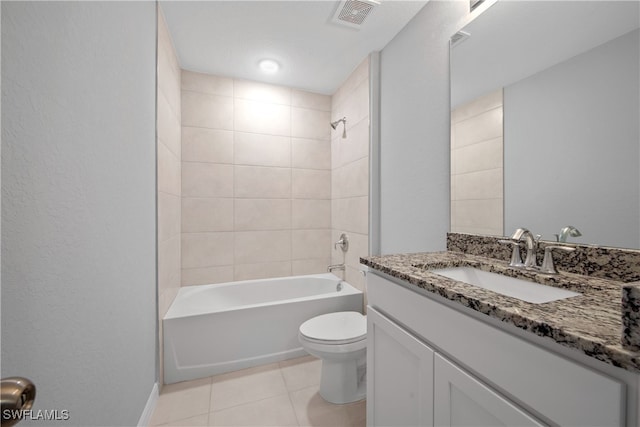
(558, 389)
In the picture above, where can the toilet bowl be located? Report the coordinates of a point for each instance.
(340, 340)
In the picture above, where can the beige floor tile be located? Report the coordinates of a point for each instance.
(312, 410)
(301, 372)
(273, 411)
(182, 400)
(247, 385)
(198, 421)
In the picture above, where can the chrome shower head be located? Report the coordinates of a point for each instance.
(334, 125)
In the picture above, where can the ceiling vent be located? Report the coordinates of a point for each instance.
(459, 37)
(352, 13)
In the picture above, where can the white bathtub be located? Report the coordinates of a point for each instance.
(211, 329)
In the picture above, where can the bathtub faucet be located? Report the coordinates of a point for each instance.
(335, 267)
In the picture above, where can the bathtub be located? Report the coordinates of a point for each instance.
(212, 329)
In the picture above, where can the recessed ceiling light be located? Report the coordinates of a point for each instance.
(269, 66)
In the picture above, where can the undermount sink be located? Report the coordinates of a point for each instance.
(508, 286)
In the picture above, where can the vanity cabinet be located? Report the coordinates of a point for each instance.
(430, 363)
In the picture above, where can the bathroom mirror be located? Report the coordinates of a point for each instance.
(545, 121)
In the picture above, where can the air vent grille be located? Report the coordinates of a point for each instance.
(459, 37)
(352, 13)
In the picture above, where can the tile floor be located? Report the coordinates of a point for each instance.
(278, 394)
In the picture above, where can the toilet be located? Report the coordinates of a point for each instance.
(340, 340)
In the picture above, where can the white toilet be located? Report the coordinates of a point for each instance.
(340, 340)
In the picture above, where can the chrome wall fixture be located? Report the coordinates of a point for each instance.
(344, 130)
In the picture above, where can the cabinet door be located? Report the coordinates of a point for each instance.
(461, 400)
(399, 375)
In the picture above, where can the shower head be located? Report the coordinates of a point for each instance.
(334, 125)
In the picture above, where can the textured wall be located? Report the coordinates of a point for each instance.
(78, 206)
(415, 130)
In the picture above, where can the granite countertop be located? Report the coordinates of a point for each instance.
(590, 323)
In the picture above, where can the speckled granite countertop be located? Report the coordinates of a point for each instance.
(591, 323)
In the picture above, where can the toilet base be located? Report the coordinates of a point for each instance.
(343, 381)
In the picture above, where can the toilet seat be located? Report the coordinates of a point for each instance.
(339, 328)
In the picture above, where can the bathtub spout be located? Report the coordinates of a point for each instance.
(335, 267)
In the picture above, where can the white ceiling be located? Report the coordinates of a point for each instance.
(229, 38)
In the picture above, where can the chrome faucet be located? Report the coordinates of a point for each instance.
(567, 231)
(531, 243)
(335, 267)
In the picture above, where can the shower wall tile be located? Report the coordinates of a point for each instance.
(206, 83)
(168, 126)
(250, 191)
(168, 170)
(262, 150)
(314, 124)
(262, 92)
(207, 180)
(207, 111)
(262, 117)
(484, 126)
(169, 212)
(262, 270)
(310, 243)
(350, 173)
(207, 145)
(207, 249)
(207, 275)
(262, 214)
(313, 101)
(300, 267)
(310, 153)
(310, 213)
(262, 182)
(311, 184)
(253, 247)
(207, 214)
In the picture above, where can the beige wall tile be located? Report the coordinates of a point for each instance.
(168, 171)
(207, 111)
(475, 214)
(207, 249)
(355, 146)
(168, 216)
(262, 92)
(207, 145)
(314, 101)
(313, 124)
(206, 83)
(482, 127)
(479, 185)
(207, 214)
(207, 180)
(207, 275)
(262, 182)
(262, 150)
(168, 126)
(262, 117)
(478, 106)
(301, 267)
(311, 184)
(351, 180)
(309, 214)
(262, 214)
(351, 214)
(262, 270)
(309, 244)
(252, 247)
(477, 157)
(169, 264)
(310, 153)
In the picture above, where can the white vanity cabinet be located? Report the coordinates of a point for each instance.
(429, 363)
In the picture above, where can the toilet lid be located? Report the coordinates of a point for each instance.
(338, 328)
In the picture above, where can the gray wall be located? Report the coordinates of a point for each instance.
(572, 147)
(414, 169)
(78, 206)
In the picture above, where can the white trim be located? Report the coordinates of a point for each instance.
(145, 418)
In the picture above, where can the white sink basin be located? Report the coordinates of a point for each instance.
(508, 286)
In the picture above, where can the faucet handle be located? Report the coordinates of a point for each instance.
(548, 267)
(516, 260)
